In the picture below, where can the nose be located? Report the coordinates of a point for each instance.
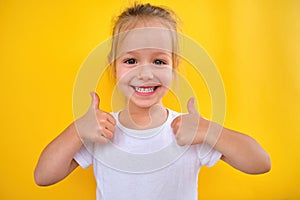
(145, 72)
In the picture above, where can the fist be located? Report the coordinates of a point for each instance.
(189, 128)
(96, 125)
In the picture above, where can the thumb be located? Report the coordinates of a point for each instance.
(95, 100)
(191, 106)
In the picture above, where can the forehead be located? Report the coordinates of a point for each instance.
(145, 38)
(145, 34)
(143, 22)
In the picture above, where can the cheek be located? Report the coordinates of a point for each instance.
(120, 72)
(123, 74)
(123, 82)
(166, 77)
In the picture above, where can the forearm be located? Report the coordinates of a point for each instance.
(239, 150)
(56, 161)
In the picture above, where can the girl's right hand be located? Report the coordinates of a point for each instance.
(96, 125)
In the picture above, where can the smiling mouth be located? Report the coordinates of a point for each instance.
(145, 89)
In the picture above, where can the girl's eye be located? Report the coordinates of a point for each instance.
(130, 61)
(159, 62)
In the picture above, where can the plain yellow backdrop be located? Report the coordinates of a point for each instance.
(255, 44)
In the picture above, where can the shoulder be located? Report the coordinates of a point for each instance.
(173, 114)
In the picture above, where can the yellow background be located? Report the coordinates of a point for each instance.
(255, 44)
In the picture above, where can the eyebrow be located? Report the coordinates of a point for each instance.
(158, 52)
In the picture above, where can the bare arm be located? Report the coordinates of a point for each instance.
(56, 161)
(239, 150)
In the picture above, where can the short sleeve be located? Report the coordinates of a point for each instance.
(208, 155)
(83, 157)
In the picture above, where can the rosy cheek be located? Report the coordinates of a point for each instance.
(166, 77)
(121, 72)
(168, 81)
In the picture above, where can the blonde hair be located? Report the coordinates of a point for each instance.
(129, 18)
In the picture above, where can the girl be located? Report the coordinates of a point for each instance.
(143, 59)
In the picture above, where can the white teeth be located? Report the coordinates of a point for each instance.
(144, 90)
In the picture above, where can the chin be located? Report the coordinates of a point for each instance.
(143, 103)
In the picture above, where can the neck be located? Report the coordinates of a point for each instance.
(143, 118)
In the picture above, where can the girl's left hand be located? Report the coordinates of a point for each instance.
(190, 128)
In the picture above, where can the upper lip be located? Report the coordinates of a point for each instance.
(146, 85)
(143, 86)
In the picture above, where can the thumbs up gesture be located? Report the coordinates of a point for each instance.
(190, 128)
(96, 125)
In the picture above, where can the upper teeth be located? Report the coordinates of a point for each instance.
(144, 90)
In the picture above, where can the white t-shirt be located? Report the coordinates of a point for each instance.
(146, 164)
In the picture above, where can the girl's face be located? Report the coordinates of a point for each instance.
(144, 66)
(145, 76)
